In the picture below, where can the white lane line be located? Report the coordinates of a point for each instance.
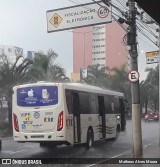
(148, 144)
(7, 152)
(29, 146)
(116, 156)
(18, 151)
(127, 152)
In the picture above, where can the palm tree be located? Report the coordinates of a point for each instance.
(120, 80)
(97, 76)
(153, 81)
(145, 89)
(12, 74)
(45, 68)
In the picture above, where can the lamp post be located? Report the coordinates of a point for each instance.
(159, 84)
(84, 43)
(83, 69)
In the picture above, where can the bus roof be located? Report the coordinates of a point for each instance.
(75, 86)
(90, 88)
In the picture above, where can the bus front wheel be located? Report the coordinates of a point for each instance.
(90, 138)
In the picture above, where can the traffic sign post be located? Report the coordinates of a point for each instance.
(78, 16)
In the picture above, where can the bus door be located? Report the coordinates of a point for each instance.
(122, 111)
(102, 115)
(76, 118)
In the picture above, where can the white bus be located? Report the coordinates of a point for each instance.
(66, 113)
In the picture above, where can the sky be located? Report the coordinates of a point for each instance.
(24, 24)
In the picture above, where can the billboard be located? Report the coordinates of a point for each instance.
(78, 16)
(11, 50)
(37, 96)
(152, 57)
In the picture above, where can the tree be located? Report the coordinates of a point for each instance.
(45, 68)
(145, 89)
(120, 81)
(12, 74)
(97, 76)
(153, 80)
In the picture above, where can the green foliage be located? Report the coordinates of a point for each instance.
(97, 75)
(45, 68)
(150, 89)
(42, 67)
(4, 130)
(115, 79)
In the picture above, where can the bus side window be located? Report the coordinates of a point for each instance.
(117, 104)
(93, 104)
(84, 101)
(69, 101)
(107, 104)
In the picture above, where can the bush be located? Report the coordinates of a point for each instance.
(4, 130)
(3, 125)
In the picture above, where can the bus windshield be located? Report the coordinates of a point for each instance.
(37, 96)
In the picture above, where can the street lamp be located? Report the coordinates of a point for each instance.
(84, 43)
(83, 69)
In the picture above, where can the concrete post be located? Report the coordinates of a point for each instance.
(135, 90)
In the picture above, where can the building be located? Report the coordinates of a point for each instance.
(30, 54)
(101, 44)
(12, 52)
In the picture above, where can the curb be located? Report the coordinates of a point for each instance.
(6, 138)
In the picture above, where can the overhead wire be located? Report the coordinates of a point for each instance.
(147, 29)
(146, 43)
(123, 14)
(101, 6)
(141, 31)
(123, 5)
(146, 25)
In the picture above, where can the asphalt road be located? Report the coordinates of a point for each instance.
(100, 150)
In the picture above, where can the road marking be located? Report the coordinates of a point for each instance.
(148, 144)
(7, 152)
(29, 146)
(18, 151)
(117, 156)
(126, 152)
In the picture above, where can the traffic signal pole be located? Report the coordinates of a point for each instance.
(135, 90)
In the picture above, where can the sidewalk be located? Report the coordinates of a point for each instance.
(150, 158)
(150, 151)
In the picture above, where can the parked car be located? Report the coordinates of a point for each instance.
(151, 116)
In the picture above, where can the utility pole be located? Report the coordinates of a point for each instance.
(159, 82)
(135, 89)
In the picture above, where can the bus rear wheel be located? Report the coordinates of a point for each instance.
(90, 138)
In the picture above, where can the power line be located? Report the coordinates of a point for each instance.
(124, 6)
(146, 43)
(147, 29)
(115, 14)
(141, 31)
